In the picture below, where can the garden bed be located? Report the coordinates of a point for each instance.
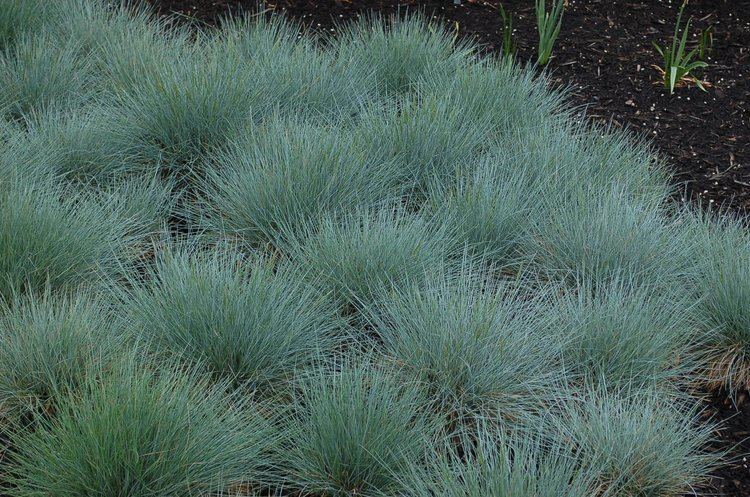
(248, 261)
(605, 54)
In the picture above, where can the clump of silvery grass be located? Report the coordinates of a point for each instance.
(60, 237)
(141, 433)
(638, 442)
(51, 346)
(499, 464)
(401, 50)
(249, 321)
(722, 288)
(626, 334)
(40, 73)
(355, 257)
(483, 349)
(355, 428)
(286, 174)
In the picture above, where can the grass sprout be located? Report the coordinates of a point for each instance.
(509, 43)
(548, 24)
(678, 62)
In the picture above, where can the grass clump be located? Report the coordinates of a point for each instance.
(57, 237)
(724, 306)
(355, 429)
(187, 103)
(426, 136)
(40, 73)
(51, 346)
(248, 321)
(357, 256)
(295, 75)
(91, 144)
(639, 443)
(501, 466)
(623, 334)
(482, 350)
(18, 17)
(598, 237)
(488, 205)
(500, 95)
(400, 50)
(140, 433)
(287, 174)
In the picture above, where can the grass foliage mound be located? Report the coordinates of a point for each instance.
(260, 261)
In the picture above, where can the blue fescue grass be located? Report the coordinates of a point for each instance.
(500, 465)
(146, 202)
(401, 50)
(357, 256)
(59, 237)
(295, 76)
(425, 135)
(139, 433)
(723, 288)
(627, 335)
(99, 25)
(247, 321)
(18, 17)
(600, 236)
(90, 144)
(51, 346)
(286, 174)
(490, 206)
(188, 103)
(483, 350)
(638, 442)
(355, 430)
(500, 93)
(40, 73)
(247, 210)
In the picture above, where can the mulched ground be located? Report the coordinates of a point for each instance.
(604, 52)
(733, 478)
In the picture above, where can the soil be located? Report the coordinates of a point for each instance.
(605, 54)
(733, 477)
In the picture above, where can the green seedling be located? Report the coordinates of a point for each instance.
(548, 24)
(509, 44)
(678, 62)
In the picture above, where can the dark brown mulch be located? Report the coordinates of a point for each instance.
(604, 51)
(733, 478)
